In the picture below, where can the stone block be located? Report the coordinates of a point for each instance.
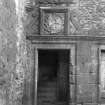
(78, 68)
(94, 97)
(90, 104)
(72, 93)
(72, 103)
(84, 67)
(84, 98)
(102, 98)
(90, 89)
(86, 58)
(93, 78)
(83, 48)
(86, 93)
(78, 89)
(83, 78)
(72, 79)
(72, 69)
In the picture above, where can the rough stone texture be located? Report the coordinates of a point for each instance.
(7, 49)
(23, 79)
(28, 79)
(87, 17)
(87, 72)
(14, 59)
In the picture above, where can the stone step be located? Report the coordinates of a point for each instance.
(41, 89)
(47, 93)
(48, 83)
(51, 103)
(46, 100)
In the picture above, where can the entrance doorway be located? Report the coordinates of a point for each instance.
(53, 77)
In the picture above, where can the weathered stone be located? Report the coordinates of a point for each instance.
(86, 18)
(72, 93)
(90, 104)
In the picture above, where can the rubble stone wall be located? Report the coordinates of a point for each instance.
(19, 18)
(8, 49)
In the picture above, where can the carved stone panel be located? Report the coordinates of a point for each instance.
(53, 21)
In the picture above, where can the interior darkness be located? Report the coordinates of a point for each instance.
(53, 66)
(47, 61)
(102, 51)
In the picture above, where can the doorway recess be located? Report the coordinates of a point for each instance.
(53, 77)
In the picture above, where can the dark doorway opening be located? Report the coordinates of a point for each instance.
(53, 77)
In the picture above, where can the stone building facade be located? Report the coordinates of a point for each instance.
(63, 36)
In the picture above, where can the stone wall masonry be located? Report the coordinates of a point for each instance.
(87, 86)
(14, 53)
(8, 50)
(86, 17)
